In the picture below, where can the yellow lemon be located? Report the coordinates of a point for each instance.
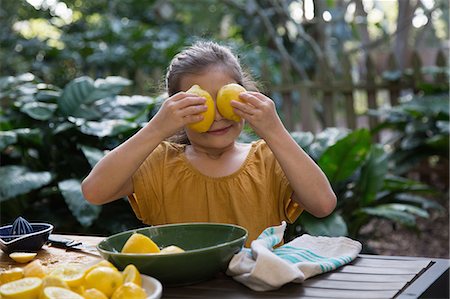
(138, 243)
(34, 269)
(23, 257)
(104, 279)
(171, 249)
(93, 294)
(25, 288)
(129, 290)
(208, 115)
(59, 293)
(131, 274)
(72, 274)
(11, 275)
(225, 95)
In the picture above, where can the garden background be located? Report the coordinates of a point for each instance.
(361, 85)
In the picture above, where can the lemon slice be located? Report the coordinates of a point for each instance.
(72, 274)
(131, 274)
(129, 290)
(23, 257)
(138, 243)
(11, 275)
(25, 288)
(59, 293)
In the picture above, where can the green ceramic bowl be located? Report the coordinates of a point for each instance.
(208, 247)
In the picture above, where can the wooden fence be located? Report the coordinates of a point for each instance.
(335, 94)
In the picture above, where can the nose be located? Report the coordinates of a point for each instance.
(217, 115)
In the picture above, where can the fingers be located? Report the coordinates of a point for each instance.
(254, 103)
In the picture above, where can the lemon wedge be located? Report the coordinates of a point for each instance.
(171, 249)
(138, 243)
(131, 274)
(23, 257)
(25, 288)
(34, 269)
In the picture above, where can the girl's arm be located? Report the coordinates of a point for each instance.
(311, 187)
(110, 179)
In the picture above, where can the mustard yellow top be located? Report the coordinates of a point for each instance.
(169, 189)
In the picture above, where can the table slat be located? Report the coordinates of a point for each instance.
(339, 276)
(353, 285)
(347, 294)
(377, 270)
(391, 263)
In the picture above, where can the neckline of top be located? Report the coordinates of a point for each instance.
(221, 178)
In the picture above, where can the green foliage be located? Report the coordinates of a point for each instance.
(50, 140)
(359, 173)
(419, 130)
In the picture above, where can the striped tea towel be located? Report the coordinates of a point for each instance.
(263, 268)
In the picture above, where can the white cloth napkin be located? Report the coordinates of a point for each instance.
(263, 268)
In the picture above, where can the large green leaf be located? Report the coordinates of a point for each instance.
(83, 91)
(332, 225)
(39, 111)
(84, 212)
(111, 127)
(18, 180)
(372, 175)
(401, 213)
(324, 140)
(348, 154)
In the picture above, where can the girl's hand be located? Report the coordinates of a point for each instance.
(259, 111)
(177, 111)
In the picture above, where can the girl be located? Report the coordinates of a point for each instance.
(210, 177)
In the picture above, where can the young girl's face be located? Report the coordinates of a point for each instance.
(223, 132)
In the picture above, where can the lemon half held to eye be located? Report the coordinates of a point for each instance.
(208, 115)
(226, 94)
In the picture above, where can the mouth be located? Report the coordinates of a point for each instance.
(219, 131)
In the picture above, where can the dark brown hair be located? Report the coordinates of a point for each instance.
(196, 59)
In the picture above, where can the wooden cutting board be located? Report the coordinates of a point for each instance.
(50, 256)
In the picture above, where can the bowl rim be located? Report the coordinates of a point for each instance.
(49, 228)
(244, 237)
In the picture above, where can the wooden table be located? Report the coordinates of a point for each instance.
(369, 276)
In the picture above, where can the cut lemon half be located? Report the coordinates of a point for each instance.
(129, 290)
(94, 294)
(138, 243)
(59, 293)
(23, 257)
(25, 288)
(72, 274)
(11, 275)
(171, 249)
